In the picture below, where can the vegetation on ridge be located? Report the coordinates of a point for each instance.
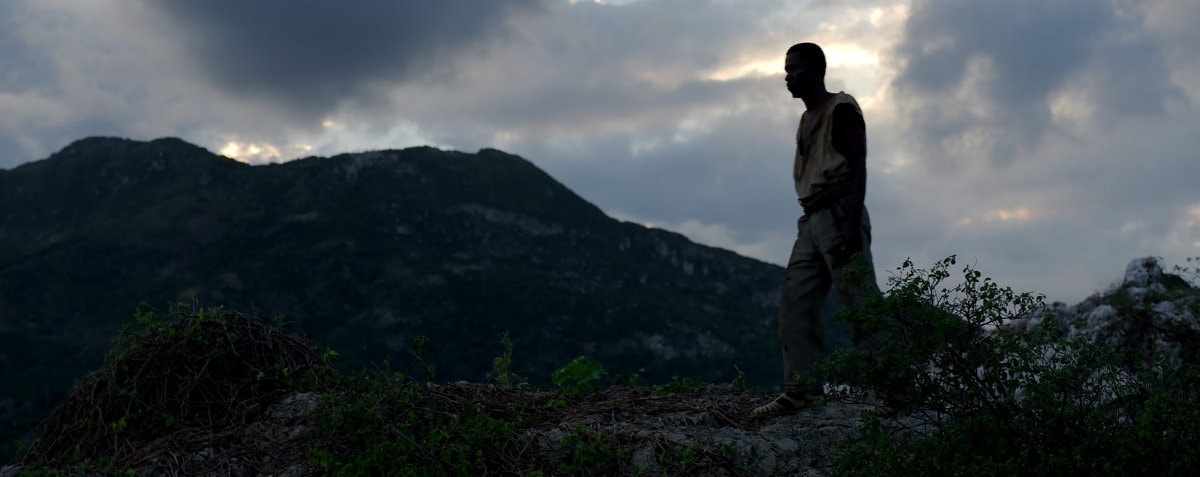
(987, 399)
(191, 382)
(996, 400)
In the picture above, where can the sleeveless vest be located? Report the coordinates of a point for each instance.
(819, 169)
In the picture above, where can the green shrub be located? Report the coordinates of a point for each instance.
(581, 375)
(982, 399)
(387, 424)
(585, 452)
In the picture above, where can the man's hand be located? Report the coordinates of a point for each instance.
(851, 244)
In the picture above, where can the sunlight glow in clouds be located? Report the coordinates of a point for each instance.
(754, 68)
(505, 139)
(1019, 214)
(839, 52)
(1071, 108)
(846, 55)
(260, 153)
(838, 55)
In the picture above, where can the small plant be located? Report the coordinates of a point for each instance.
(420, 346)
(389, 424)
(583, 452)
(739, 381)
(1190, 272)
(581, 375)
(630, 380)
(682, 458)
(502, 365)
(678, 385)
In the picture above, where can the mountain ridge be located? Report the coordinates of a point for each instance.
(362, 252)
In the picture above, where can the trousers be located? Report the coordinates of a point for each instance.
(806, 284)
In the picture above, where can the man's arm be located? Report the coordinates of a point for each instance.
(850, 139)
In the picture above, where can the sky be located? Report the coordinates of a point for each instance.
(1045, 142)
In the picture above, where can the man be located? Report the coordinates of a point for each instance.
(830, 174)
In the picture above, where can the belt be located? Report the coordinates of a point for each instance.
(810, 210)
(813, 205)
(826, 197)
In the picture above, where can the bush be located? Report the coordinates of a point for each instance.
(581, 375)
(387, 424)
(192, 369)
(981, 399)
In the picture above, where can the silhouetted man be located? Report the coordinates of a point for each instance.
(830, 173)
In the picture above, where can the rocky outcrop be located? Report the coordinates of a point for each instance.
(1151, 311)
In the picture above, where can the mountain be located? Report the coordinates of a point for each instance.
(362, 253)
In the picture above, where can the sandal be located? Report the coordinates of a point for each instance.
(783, 405)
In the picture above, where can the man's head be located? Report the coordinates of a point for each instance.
(805, 68)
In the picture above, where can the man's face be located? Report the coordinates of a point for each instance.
(799, 77)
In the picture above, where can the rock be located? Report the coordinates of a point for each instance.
(711, 427)
(1150, 311)
(1142, 271)
(1101, 316)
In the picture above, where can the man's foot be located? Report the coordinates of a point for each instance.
(786, 403)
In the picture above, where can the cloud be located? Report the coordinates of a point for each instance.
(585, 66)
(312, 56)
(551, 72)
(52, 82)
(723, 166)
(1173, 25)
(980, 80)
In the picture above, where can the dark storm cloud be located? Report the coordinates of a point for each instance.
(312, 55)
(980, 77)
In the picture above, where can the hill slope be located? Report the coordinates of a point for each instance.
(362, 253)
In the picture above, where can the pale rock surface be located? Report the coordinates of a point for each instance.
(1151, 310)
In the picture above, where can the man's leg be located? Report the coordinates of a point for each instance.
(801, 328)
(801, 303)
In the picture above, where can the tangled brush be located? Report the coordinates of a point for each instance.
(194, 370)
